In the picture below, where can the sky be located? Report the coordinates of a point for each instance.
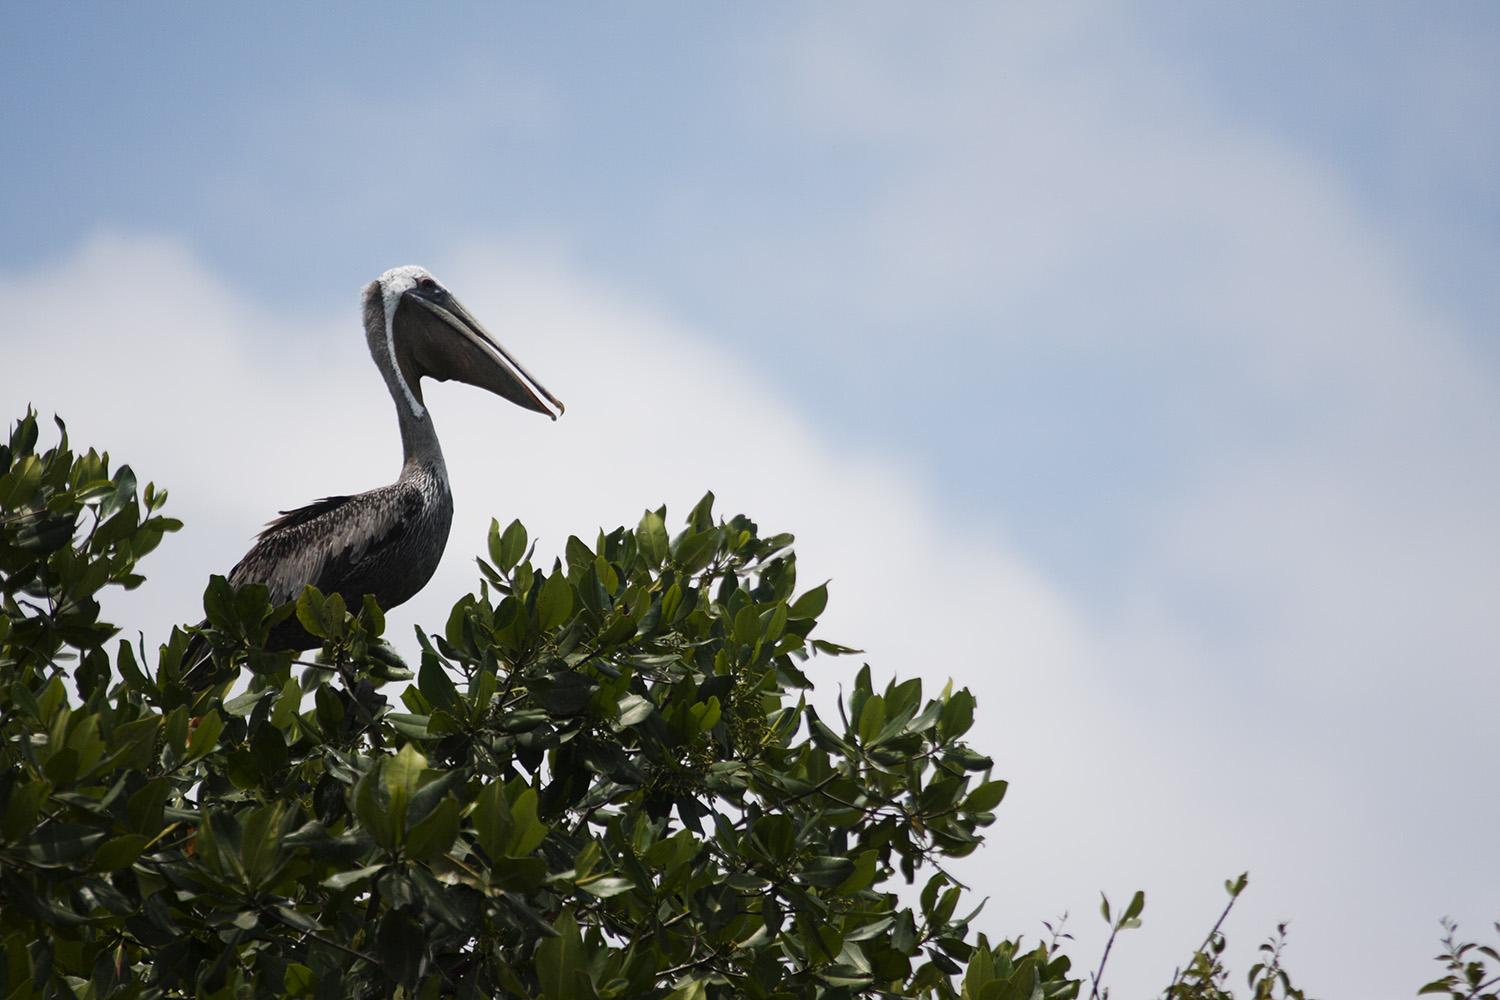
(1133, 365)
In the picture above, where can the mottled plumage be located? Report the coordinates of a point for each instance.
(386, 543)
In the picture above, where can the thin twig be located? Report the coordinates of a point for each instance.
(1207, 940)
(685, 966)
(348, 679)
(1098, 974)
(355, 952)
(1481, 987)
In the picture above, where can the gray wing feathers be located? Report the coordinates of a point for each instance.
(324, 543)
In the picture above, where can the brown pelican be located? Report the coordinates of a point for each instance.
(387, 542)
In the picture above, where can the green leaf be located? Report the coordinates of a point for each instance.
(387, 664)
(969, 759)
(120, 852)
(310, 610)
(206, 737)
(372, 812)
(604, 887)
(559, 960)
(512, 545)
(434, 682)
(634, 709)
(435, 834)
(61, 843)
(563, 693)
(333, 616)
(519, 874)
(401, 776)
(251, 605)
(528, 831)
(288, 703)
(701, 517)
(218, 604)
(608, 578)
(555, 602)
(746, 625)
(863, 875)
(826, 870)
(651, 536)
(670, 602)
(296, 918)
(776, 624)
(373, 617)
(321, 615)
(825, 737)
(986, 797)
(260, 840)
(690, 989)
(492, 819)
(298, 980)
(958, 714)
(144, 808)
(704, 716)
(579, 555)
(242, 705)
(330, 708)
(871, 719)
(345, 879)
(693, 551)
(22, 807)
(810, 604)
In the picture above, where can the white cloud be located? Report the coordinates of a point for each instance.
(1302, 643)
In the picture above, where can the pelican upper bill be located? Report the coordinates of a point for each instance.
(445, 342)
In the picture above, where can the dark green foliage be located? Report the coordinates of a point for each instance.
(1468, 972)
(68, 528)
(600, 781)
(1205, 978)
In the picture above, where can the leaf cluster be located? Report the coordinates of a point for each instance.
(1468, 974)
(602, 779)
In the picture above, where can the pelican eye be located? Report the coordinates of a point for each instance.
(428, 285)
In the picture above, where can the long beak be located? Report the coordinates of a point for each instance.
(485, 363)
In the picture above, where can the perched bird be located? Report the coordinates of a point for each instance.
(386, 542)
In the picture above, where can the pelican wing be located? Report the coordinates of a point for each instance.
(329, 542)
(385, 542)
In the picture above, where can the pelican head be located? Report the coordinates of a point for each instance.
(417, 328)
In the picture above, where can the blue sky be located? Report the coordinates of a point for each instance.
(1175, 320)
(299, 149)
